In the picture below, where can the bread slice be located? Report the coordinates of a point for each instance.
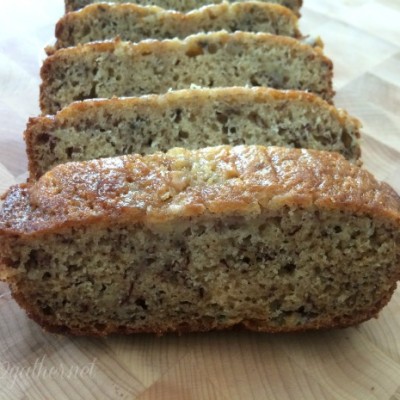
(270, 239)
(135, 23)
(191, 119)
(178, 5)
(106, 69)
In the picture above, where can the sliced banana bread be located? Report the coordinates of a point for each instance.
(192, 119)
(106, 69)
(270, 239)
(135, 23)
(178, 5)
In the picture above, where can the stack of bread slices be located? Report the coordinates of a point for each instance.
(190, 172)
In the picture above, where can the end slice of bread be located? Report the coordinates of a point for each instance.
(134, 23)
(271, 239)
(106, 69)
(191, 118)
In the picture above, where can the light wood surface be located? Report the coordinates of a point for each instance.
(363, 39)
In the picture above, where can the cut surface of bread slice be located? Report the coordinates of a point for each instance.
(115, 68)
(178, 5)
(192, 119)
(135, 23)
(269, 239)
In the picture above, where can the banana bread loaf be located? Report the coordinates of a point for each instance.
(134, 23)
(106, 69)
(192, 119)
(178, 5)
(269, 239)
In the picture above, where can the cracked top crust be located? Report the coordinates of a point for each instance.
(164, 187)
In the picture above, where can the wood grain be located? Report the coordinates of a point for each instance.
(363, 39)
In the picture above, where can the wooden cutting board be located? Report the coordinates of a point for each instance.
(363, 39)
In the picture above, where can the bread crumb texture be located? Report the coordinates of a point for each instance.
(178, 5)
(218, 59)
(192, 119)
(134, 23)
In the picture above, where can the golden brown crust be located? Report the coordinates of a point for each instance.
(220, 180)
(184, 21)
(44, 125)
(167, 47)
